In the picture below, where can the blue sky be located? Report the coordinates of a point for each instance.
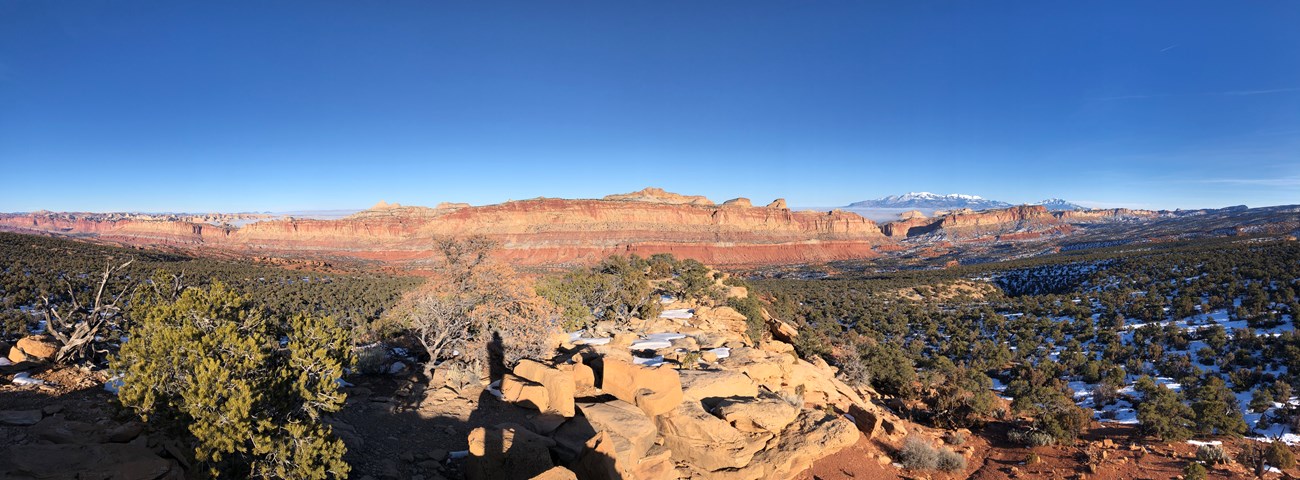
(270, 105)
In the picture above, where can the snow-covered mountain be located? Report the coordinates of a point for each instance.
(927, 201)
(1056, 204)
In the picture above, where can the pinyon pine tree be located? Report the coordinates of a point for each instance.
(1162, 413)
(247, 392)
(1216, 408)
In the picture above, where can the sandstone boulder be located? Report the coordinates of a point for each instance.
(584, 378)
(766, 413)
(765, 368)
(630, 431)
(656, 390)
(516, 389)
(600, 462)
(737, 292)
(782, 331)
(706, 441)
(813, 436)
(700, 385)
(867, 421)
(557, 473)
(559, 384)
(507, 451)
(724, 321)
(34, 348)
(777, 346)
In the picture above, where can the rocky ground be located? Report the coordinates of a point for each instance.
(686, 395)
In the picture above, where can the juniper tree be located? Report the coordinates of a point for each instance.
(1216, 408)
(1162, 413)
(245, 391)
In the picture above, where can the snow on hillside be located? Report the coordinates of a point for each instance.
(1122, 410)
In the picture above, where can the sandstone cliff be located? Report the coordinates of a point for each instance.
(551, 231)
(532, 232)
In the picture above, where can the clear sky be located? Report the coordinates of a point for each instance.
(277, 105)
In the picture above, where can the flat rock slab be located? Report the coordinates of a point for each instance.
(111, 461)
(21, 418)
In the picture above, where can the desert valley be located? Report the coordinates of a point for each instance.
(759, 240)
(655, 335)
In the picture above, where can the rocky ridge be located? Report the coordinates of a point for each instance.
(557, 232)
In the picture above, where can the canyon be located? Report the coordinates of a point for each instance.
(551, 232)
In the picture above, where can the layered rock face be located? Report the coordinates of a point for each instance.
(547, 231)
(531, 232)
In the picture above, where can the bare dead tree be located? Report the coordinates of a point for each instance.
(442, 324)
(77, 326)
(470, 298)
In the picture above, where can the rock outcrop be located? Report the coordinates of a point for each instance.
(663, 409)
(658, 195)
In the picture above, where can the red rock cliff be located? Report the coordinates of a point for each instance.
(531, 232)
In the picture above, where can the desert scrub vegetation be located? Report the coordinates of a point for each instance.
(918, 454)
(38, 273)
(1211, 454)
(620, 288)
(245, 391)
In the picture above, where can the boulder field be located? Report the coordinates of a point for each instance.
(697, 399)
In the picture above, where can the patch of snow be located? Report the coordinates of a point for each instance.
(22, 379)
(670, 336)
(649, 362)
(495, 390)
(650, 344)
(721, 352)
(655, 341)
(4, 362)
(343, 383)
(677, 313)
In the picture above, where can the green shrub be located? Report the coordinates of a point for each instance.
(1279, 455)
(246, 392)
(1194, 471)
(755, 326)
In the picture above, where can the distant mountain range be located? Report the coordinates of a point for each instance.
(927, 202)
